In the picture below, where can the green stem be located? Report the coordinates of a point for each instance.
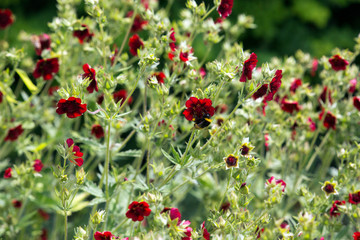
(106, 170)
(208, 13)
(317, 151)
(227, 188)
(119, 226)
(65, 226)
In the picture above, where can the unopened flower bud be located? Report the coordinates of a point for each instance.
(80, 176)
(98, 217)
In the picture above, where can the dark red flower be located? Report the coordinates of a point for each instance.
(44, 215)
(41, 43)
(173, 40)
(356, 235)
(14, 133)
(248, 67)
(354, 198)
(138, 210)
(52, 90)
(184, 56)
(16, 203)
(311, 124)
(274, 85)
(171, 56)
(77, 154)
(277, 181)
(338, 63)
(314, 67)
(284, 225)
(206, 234)
(103, 236)
(6, 18)
(90, 73)
(295, 84)
(46, 68)
(175, 214)
(100, 99)
(352, 87)
(138, 24)
(83, 34)
(188, 231)
(260, 92)
(7, 173)
(198, 109)
(44, 234)
(225, 207)
(72, 107)
(121, 95)
(202, 72)
(244, 150)
(258, 232)
(334, 211)
(289, 106)
(225, 8)
(329, 121)
(356, 102)
(325, 93)
(38, 165)
(1, 97)
(219, 20)
(160, 76)
(135, 43)
(97, 131)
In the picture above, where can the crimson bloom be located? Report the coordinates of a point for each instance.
(160, 76)
(338, 63)
(314, 67)
(269, 89)
(6, 18)
(7, 173)
(312, 124)
(14, 133)
(356, 235)
(173, 40)
(76, 156)
(329, 121)
(44, 234)
(46, 68)
(41, 43)
(72, 107)
(175, 214)
(97, 131)
(138, 210)
(356, 102)
(90, 73)
(277, 181)
(121, 95)
(44, 215)
(84, 34)
(260, 92)
(206, 234)
(16, 203)
(352, 87)
(188, 231)
(354, 198)
(225, 206)
(248, 67)
(289, 106)
(135, 43)
(225, 8)
(334, 211)
(138, 24)
(200, 111)
(325, 93)
(295, 84)
(38, 165)
(103, 235)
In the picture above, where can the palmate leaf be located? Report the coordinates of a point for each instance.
(93, 189)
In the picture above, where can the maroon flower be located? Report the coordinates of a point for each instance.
(103, 236)
(188, 231)
(76, 158)
(41, 43)
(244, 150)
(135, 43)
(206, 234)
(97, 131)
(352, 87)
(52, 90)
(356, 235)
(334, 211)
(6, 18)
(314, 67)
(72, 107)
(16, 203)
(277, 181)
(284, 225)
(175, 214)
(198, 109)
(90, 73)
(356, 102)
(248, 67)
(160, 76)
(274, 85)
(14, 133)
(329, 121)
(231, 161)
(325, 93)
(44, 234)
(295, 84)
(46, 68)
(173, 40)
(38, 165)
(289, 106)
(258, 232)
(225, 206)
(311, 124)
(184, 56)
(44, 215)
(138, 24)
(260, 92)
(83, 34)
(338, 63)
(1, 97)
(138, 210)
(225, 8)
(354, 198)
(100, 99)
(7, 173)
(121, 95)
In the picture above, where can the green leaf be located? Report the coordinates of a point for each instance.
(94, 190)
(129, 153)
(96, 201)
(175, 154)
(26, 80)
(170, 158)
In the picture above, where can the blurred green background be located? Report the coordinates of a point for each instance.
(283, 26)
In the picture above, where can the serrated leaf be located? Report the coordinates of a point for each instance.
(96, 201)
(26, 80)
(129, 153)
(170, 158)
(93, 189)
